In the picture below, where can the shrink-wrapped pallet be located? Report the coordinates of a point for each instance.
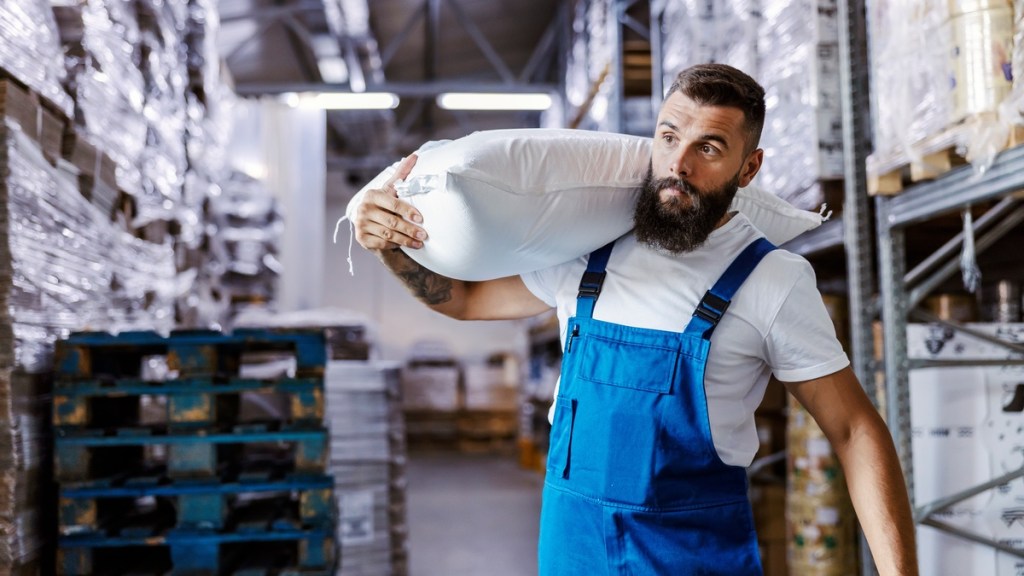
(799, 69)
(698, 32)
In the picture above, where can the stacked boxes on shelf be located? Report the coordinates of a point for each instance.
(183, 455)
(246, 225)
(822, 537)
(431, 394)
(368, 464)
(966, 429)
(822, 526)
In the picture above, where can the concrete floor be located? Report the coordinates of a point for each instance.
(472, 514)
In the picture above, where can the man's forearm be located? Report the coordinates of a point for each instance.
(880, 498)
(440, 293)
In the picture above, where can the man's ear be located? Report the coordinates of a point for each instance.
(750, 167)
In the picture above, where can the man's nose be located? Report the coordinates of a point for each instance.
(679, 164)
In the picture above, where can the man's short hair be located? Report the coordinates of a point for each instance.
(723, 85)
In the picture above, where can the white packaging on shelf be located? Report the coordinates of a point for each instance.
(966, 430)
(802, 136)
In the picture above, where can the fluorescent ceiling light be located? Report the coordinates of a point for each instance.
(483, 101)
(350, 100)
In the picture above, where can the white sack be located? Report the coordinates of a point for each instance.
(505, 202)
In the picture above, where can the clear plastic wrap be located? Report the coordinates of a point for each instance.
(30, 49)
(1017, 98)
(802, 137)
(698, 32)
(244, 238)
(100, 42)
(163, 161)
(70, 267)
(589, 80)
(940, 80)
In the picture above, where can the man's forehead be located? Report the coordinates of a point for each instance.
(680, 112)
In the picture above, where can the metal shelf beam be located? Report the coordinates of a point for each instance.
(957, 189)
(826, 237)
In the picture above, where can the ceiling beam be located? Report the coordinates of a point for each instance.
(402, 89)
(273, 12)
(480, 39)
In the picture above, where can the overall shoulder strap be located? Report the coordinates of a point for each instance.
(716, 301)
(593, 279)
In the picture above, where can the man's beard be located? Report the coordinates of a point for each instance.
(674, 226)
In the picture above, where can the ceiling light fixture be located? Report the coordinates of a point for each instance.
(494, 101)
(350, 100)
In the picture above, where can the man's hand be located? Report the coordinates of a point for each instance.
(383, 222)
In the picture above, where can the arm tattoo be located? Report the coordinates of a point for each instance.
(430, 288)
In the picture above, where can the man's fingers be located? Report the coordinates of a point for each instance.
(401, 173)
(392, 237)
(404, 168)
(387, 200)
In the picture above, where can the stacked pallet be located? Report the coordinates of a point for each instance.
(368, 464)
(174, 455)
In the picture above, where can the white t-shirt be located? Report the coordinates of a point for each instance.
(776, 323)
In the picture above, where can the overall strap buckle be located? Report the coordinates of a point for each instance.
(590, 284)
(711, 308)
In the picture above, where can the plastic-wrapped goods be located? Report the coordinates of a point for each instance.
(70, 267)
(699, 32)
(1018, 57)
(821, 525)
(982, 33)
(203, 60)
(941, 79)
(244, 241)
(100, 41)
(910, 44)
(802, 137)
(30, 49)
(163, 160)
(588, 72)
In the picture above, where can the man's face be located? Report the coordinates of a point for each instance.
(698, 160)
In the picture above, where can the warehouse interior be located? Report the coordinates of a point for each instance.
(204, 373)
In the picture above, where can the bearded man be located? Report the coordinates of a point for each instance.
(670, 335)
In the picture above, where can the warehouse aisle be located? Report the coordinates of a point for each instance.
(472, 514)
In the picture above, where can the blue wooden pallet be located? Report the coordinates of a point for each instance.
(93, 403)
(181, 552)
(189, 353)
(83, 455)
(145, 509)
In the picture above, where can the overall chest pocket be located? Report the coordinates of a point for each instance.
(636, 366)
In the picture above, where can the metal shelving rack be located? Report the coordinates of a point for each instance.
(903, 290)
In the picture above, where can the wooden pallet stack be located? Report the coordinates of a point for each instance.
(172, 457)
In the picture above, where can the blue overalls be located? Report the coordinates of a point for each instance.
(634, 484)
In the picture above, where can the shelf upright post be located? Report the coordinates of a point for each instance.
(854, 66)
(892, 269)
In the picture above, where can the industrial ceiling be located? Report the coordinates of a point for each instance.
(416, 49)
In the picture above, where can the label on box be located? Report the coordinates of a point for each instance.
(356, 517)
